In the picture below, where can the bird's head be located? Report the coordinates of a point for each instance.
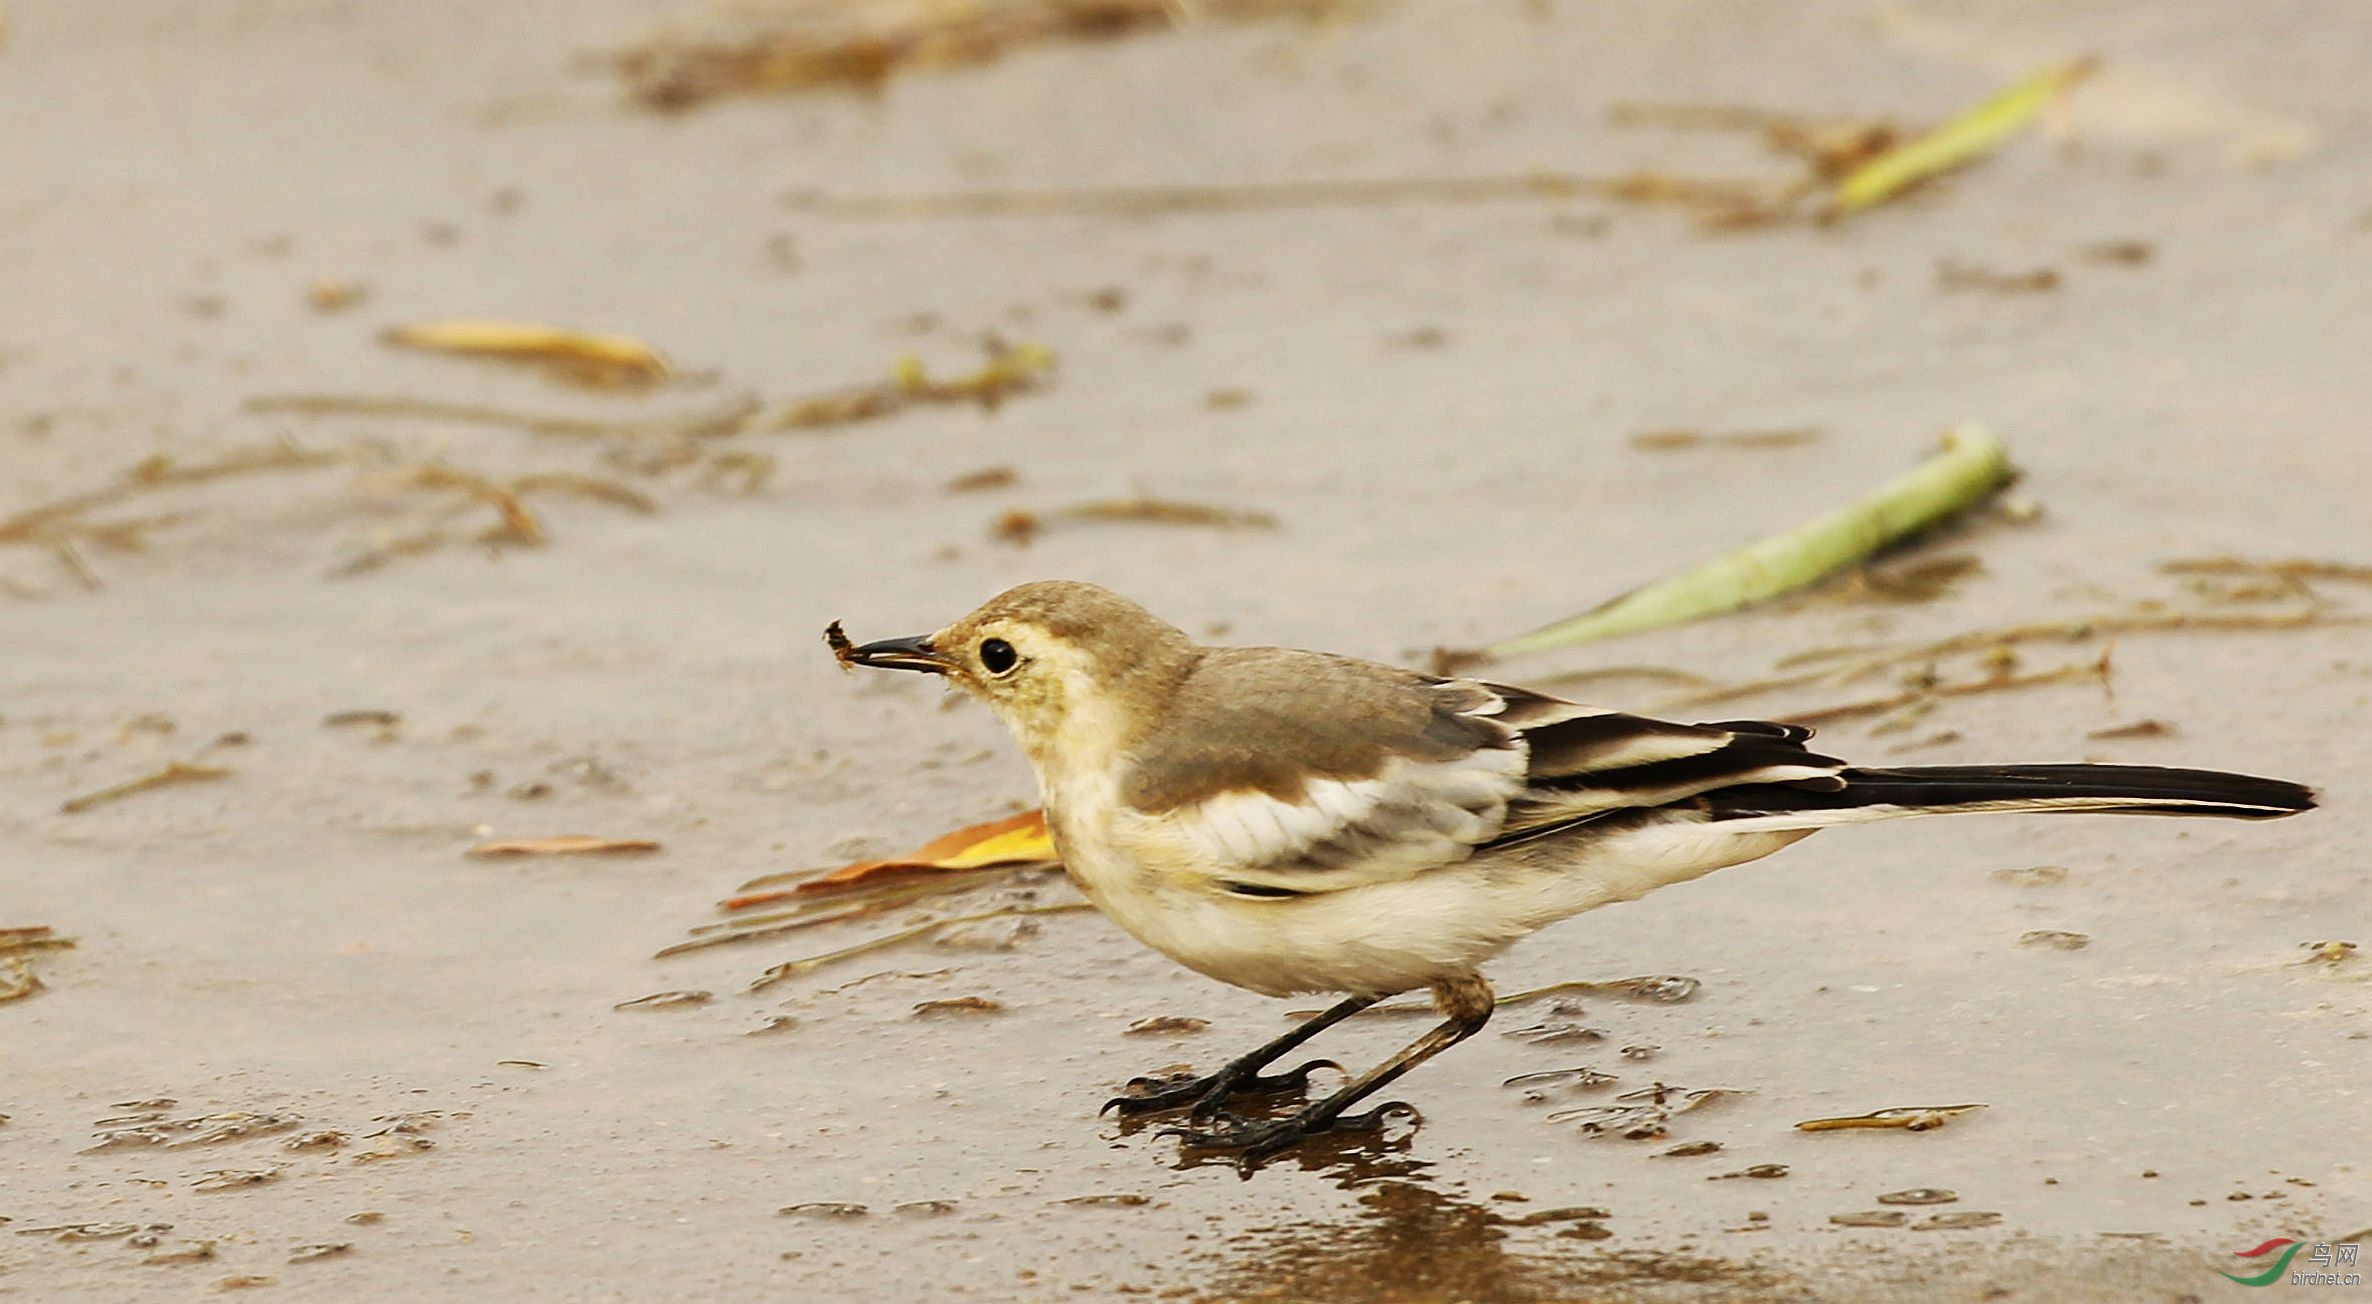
(1072, 669)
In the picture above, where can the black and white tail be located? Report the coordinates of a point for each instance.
(1874, 794)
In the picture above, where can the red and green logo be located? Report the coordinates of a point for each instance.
(2321, 1257)
(2280, 1265)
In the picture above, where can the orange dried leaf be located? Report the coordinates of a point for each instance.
(574, 844)
(1019, 840)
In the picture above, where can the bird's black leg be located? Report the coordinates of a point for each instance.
(1207, 1093)
(1466, 1001)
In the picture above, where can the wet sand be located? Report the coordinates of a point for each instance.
(1437, 401)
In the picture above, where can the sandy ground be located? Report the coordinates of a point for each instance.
(1438, 403)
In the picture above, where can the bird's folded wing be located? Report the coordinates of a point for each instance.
(1533, 762)
(1341, 833)
(1394, 778)
(1582, 765)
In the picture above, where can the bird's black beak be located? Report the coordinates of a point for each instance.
(897, 654)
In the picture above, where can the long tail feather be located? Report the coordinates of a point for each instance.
(1871, 794)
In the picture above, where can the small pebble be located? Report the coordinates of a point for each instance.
(1920, 1195)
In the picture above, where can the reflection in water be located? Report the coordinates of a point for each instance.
(1405, 1241)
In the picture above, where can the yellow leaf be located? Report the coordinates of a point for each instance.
(1963, 139)
(582, 355)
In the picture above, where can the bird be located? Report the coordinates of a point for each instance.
(1296, 822)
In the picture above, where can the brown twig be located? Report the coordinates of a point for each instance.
(174, 774)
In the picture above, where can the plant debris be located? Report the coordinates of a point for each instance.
(93, 1231)
(32, 937)
(1540, 1086)
(2292, 568)
(1959, 1221)
(334, 293)
(1954, 275)
(1147, 201)
(1641, 1115)
(1857, 162)
(2328, 952)
(2136, 729)
(1167, 1025)
(1664, 441)
(1996, 642)
(987, 477)
(232, 1179)
(1015, 842)
(824, 1209)
(666, 1000)
(515, 523)
(1011, 369)
(1910, 1118)
(957, 1005)
(2030, 875)
(573, 844)
(725, 421)
(18, 981)
(1555, 1033)
(1115, 1200)
(2119, 253)
(151, 1127)
(582, 357)
(2056, 939)
(1973, 466)
(863, 903)
(859, 47)
(173, 774)
(1959, 141)
(1022, 526)
(64, 526)
(793, 968)
(17, 947)
(1922, 580)
(2001, 681)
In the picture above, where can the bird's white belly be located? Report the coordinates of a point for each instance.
(1379, 939)
(1382, 937)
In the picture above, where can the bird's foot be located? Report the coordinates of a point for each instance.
(1209, 1093)
(1255, 1140)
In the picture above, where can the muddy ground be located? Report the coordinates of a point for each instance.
(1435, 397)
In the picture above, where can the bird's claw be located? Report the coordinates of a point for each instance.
(1149, 1095)
(1209, 1094)
(1254, 1141)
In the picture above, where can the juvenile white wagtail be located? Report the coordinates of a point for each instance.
(1292, 821)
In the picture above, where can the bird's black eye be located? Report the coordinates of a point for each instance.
(997, 656)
